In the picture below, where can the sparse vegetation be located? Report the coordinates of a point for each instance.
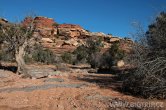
(89, 52)
(81, 54)
(149, 78)
(56, 24)
(112, 56)
(39, 54)
(43, 55)
(67, 58)
(46, 64)
(6, 56)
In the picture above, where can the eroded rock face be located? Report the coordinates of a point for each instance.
(44, 25)
(62, 38)
(71, 30)
(45, 22)
(71, 42)
(56, 36)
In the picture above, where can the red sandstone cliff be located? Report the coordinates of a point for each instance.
(64, 37)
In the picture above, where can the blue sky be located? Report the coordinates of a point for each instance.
(108, 16)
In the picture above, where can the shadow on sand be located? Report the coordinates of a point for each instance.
(108, 79)
(104, 81)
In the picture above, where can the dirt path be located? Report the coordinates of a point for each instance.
(74, 92)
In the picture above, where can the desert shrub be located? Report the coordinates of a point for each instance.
(111, 57)
(95, 60)
(6, 56)
(39, 54)
(115, 52)
(149, 76)
(67, 58)
(93, 48)
(149, 80)
(89, 53)
(29, 59)
(43, 55)
(55, 24)
(80, 54)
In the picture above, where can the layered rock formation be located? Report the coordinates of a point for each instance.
(65, 37)
(44, 26)
(71, 30)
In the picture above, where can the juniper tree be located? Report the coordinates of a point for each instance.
(17, 37)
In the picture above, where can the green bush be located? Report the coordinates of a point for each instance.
(44, 56)
(6, 56)
(39, 54)
(67, 58)
(28, 58)
(89, 53)
(112, 56)
(115, 52)
(55, 24)
(81, 54)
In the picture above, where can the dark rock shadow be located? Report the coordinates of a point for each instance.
(104, 71)
(9, 68)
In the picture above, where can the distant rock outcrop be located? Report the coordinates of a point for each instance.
(44, 26)
(71, 30)
(67, 37)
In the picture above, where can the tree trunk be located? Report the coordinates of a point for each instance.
(19, 56)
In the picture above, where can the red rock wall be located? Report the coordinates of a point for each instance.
(43, 22)
(40, 22)
(43, 25)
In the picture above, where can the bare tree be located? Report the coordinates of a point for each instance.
(17, 37)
